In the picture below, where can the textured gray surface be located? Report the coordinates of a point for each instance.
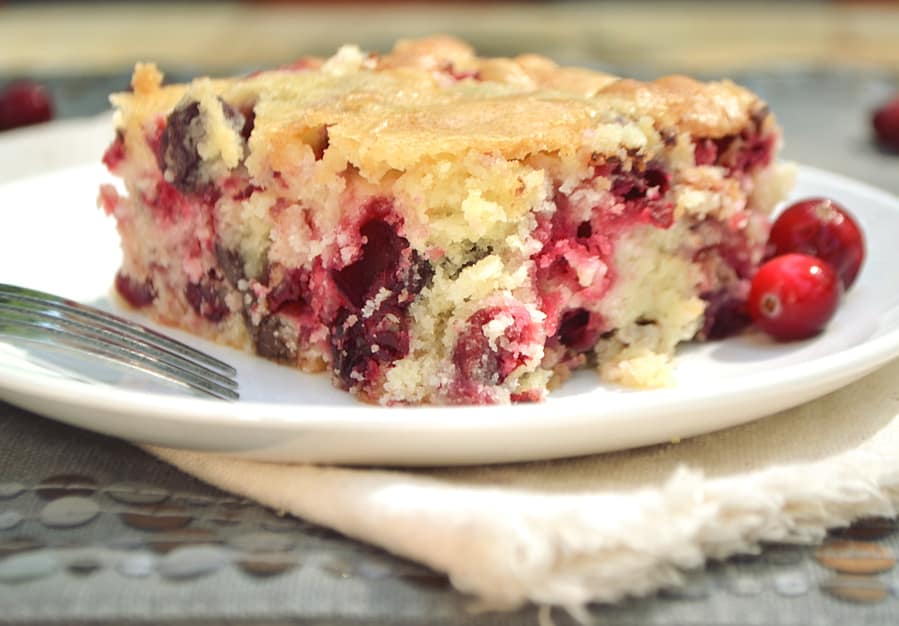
(91, 559)
(112, 570)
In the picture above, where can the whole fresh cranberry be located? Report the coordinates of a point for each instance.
(23, 103)
(886, 124)
(794, 296)
(822, 228)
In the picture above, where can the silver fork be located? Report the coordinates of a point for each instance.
(36, 315)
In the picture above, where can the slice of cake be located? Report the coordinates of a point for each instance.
(433, 227)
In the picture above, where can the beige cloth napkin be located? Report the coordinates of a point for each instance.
(604, 527)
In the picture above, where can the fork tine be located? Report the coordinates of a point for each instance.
(51, 333)
(32, 312)
(49, 319)
(114, 322)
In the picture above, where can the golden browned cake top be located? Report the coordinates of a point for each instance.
(430, 99)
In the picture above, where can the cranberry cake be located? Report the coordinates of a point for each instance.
(429, 226)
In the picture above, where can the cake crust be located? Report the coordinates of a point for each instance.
(394, 117)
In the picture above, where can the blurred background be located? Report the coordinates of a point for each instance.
(824, 67)
(221, 36)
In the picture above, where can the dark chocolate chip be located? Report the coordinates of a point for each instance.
(207, 298)
(180, 158)
(275, 339)
(231, 263)
(179, 154)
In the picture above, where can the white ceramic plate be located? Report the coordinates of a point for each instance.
(52, 237)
